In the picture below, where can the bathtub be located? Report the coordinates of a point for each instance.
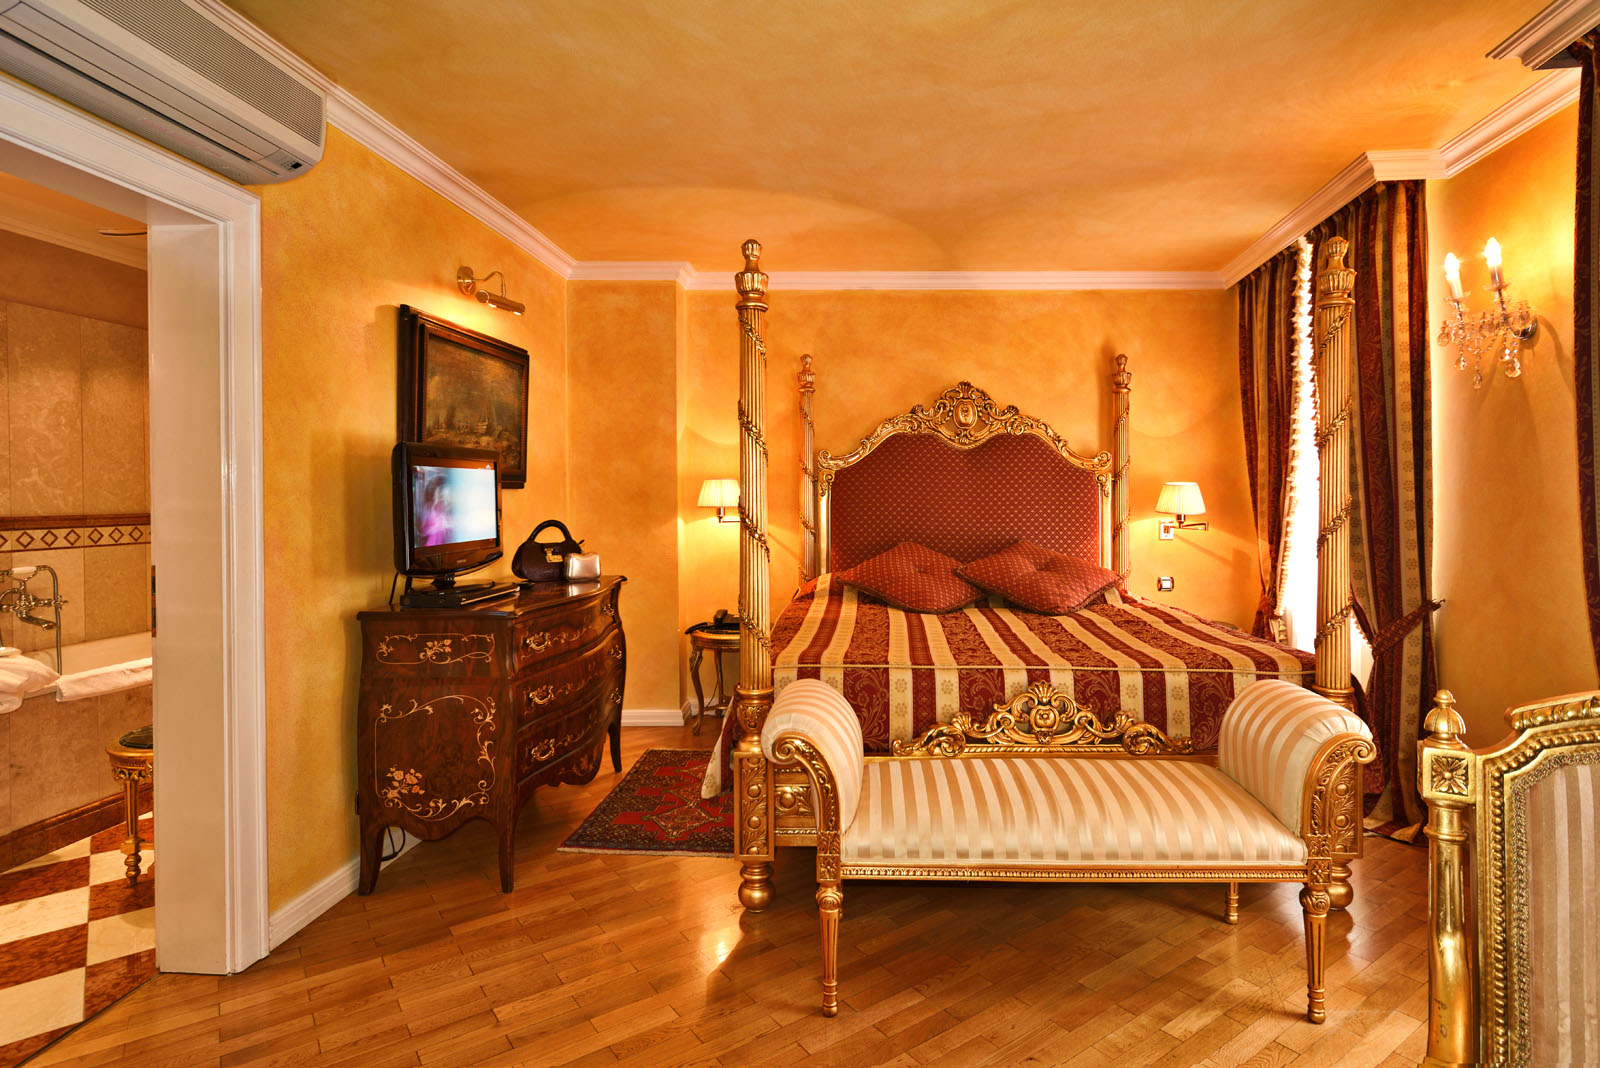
(55, 743)
(105, 665)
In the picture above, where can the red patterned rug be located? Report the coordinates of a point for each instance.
(657, 809)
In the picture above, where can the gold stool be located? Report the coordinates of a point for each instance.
(133, 763)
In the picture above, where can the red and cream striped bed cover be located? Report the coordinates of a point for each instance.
(903, 672)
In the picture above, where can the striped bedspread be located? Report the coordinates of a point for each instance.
(903, 672)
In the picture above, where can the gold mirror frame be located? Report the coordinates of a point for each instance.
(965, 416)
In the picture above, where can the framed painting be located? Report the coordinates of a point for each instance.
(460, 387)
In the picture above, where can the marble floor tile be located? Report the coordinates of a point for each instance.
(120, 935)
(69, 852)
(109, 980)
(39, 881)
(116, 897)
(27, 959)
(42, 1005)
(21, 919)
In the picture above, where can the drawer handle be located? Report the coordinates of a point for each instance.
(542, 696)
(538, 642)
(544, 750)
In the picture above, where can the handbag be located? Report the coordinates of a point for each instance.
(545, 561)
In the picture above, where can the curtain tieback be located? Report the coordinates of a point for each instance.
(1389, 637)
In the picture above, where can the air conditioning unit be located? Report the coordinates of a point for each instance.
(172, 73)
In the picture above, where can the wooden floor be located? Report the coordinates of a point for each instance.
(648, 961)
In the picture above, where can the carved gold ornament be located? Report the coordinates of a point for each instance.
(1040, 720)
(965, 416)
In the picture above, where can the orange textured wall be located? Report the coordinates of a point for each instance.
(622, 343)
(343, 246)
(63, 279)
(1507, 558)
(878, 352)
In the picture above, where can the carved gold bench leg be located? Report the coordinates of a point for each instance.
(1340, 893)
(1314, 902)
(830, 906)
(1232, 912)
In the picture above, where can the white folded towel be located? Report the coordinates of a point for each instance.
(20, 676)
(104, 680)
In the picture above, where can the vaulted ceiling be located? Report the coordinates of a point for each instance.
(918, 135)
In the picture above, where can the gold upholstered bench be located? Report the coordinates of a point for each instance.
(1046, 791)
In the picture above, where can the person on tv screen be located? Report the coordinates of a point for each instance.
(434, 514)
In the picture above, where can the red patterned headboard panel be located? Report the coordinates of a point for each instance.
(966, 503)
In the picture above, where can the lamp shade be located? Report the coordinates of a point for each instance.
(719, 493)
(1181, 498)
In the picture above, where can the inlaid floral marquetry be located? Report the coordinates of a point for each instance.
(440, 649)
(1450, 775)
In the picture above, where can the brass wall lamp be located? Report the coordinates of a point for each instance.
(469, 285)
(1180, 500)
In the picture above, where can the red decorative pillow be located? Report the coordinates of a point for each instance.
(915, 578)
(1039, 579)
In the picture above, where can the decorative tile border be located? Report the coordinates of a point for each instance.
(32, 533)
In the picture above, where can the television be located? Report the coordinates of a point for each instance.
(446, 518)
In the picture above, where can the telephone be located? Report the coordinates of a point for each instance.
(721, 620)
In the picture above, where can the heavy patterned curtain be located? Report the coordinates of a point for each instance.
(1586, 332)
(1391, 533)
(1266, 388)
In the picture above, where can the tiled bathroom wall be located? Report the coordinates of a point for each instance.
(74, 450)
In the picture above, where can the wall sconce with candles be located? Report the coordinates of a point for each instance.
(469, 285)
(1180, 500)
(721, 494)
(1501, 331)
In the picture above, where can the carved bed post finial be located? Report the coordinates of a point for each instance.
(1331, 357)
(808, 473)
(752, 830)
(1447, 782)
(1121, 390)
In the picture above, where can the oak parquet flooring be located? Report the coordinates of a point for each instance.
(640, 962)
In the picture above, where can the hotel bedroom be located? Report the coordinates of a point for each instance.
(1011, 195)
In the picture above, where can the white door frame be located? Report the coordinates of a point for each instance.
(206, 514)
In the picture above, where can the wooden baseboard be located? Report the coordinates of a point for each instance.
(50, 834)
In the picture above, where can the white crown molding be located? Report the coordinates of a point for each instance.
(1337, 192)
(678, 271)
(389, 141)
(1542, 99)
(1540, 38)
(1013, 281)
(128, 256)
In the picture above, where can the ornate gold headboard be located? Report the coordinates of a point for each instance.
(965, 476)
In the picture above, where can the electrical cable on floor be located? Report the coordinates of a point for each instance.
(392, 584)
(394, 850)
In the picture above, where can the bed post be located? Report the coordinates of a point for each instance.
(808, 474)
(1335, 282)
(1121, 383)
(752, 775)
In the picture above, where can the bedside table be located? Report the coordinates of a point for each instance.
(718, 642)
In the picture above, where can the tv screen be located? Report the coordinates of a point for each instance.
(454, 504)
(446, 509)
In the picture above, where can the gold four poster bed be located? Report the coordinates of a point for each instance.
(967, 478)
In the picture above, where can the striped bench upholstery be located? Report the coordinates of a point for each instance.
(1062, 810)
(1046, 814)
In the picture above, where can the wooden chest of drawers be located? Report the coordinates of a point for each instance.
(463, 713)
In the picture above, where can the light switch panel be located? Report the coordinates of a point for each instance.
(1164, 584)
(1164, 530)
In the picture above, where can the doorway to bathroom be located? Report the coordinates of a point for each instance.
(77, 870)
(203, 322)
